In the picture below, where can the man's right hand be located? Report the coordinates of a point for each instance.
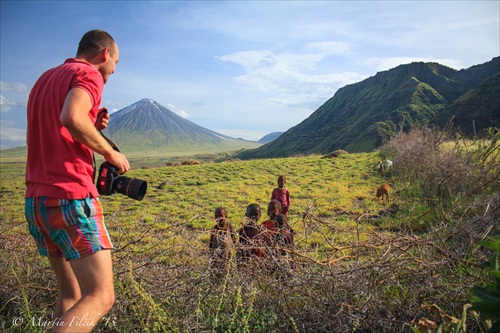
(118, 160)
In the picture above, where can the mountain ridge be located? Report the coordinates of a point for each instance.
(360, 114)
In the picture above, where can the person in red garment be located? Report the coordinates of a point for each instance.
(251, 242)
(284, 240)
(282, 194)
(62, 204)
(273, 209)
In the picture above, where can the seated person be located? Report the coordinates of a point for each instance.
(273, 209)
(284, 239)
(222, 237)
(251, 240)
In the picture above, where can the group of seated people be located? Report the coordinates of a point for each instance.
(273, 239)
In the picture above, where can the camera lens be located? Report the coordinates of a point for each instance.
(133, 188)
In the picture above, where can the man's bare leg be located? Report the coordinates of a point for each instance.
(94, 274)
(69, 289)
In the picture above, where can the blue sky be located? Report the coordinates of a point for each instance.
(240, 68)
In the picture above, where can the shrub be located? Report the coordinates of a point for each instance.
(424, 159)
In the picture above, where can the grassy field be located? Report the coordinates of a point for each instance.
(344, 185)
(360, 264)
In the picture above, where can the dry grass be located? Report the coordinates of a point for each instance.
(358, 265)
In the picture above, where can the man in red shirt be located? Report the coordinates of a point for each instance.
(62, 206)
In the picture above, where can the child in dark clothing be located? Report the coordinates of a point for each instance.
(251, 239)
(222, 238)
(273, 209)
(282, 194)
(284, 239)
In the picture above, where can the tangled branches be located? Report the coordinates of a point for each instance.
(374, 281)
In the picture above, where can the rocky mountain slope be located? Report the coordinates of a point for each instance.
(148, 125)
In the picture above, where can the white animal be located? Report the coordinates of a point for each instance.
(380, 168)
(388, 164)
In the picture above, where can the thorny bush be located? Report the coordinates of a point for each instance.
(371, 280)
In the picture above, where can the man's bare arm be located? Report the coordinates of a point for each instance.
(74, 117)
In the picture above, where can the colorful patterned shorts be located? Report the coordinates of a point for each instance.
(73, 228)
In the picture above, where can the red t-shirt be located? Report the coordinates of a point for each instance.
(283, 196)
(270, 231)
(58, 166)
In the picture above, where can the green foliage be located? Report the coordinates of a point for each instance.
(487, 300)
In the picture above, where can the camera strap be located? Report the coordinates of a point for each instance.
(109, 141)
(101, 113)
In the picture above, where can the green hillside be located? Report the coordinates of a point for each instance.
(359, 116)
(479, 107)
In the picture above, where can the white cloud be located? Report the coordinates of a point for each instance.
(178, 111)
(11, 137)
(112, 105)
(6, 104)
(182, 113)
(18, 88)
(12, 95)
(293, 79)
(286, 64)
(330, 47)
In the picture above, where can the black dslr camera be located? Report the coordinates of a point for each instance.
(109, 182)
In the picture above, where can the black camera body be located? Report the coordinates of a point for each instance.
(110, 182)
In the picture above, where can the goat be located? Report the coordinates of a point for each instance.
(388, 164)
(380, 168)
(383, 191)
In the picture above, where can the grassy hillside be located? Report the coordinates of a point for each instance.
(359, 263)
(360, 115)
(479, 108)
(13, 155)
(138, 159)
